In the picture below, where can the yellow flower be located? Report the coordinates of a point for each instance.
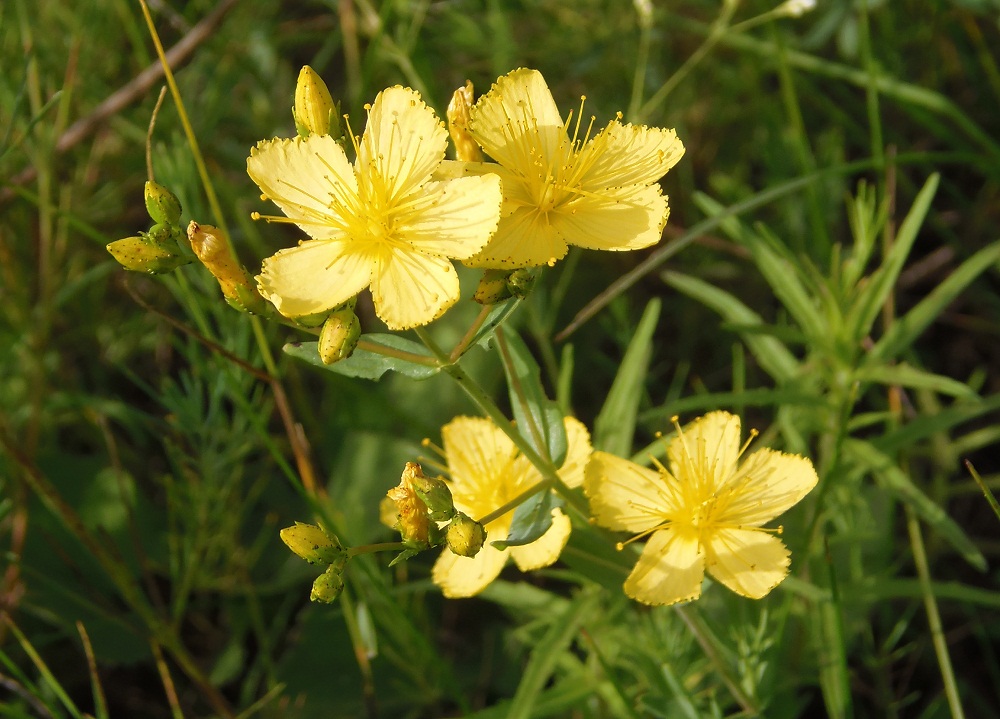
(597, 192)
(487, 471)
(705, 512)
(382, 222)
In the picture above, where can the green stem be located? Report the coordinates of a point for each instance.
(463, 344)
(489, 408)
(715, 34)
(377, 547)
(398, 354)
(696, 626)
(933, 616)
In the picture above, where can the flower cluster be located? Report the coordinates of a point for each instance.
(393, 219)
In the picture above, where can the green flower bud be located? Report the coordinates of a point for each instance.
(327, 586)
(465, 535)
(434, 493)
(522, 281)
(492, 287)
(161, 204)
(314, 544)
(339, 336)
(140, 254)
(314, 111)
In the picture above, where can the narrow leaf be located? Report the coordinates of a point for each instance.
(497, 316)
(539, 419)
(547, 651)
(872, 296)
(615, 425)
(906, 375)
(532, 519)
(906, 329)
(772, 355)
(894, 479)
(368, 364)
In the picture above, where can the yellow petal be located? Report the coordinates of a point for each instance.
(313, 277)
(670, 569)
(466, 576)
(767, 484)
(475, 449)
(624, 218)
(515, 190)
(627, 497)
(523, 239)
(626, 154)
(546, 549)
(403, 143)
(751, 562)
(709, 448)
(577, 453)
(302, 176)
(517, 122)
(454, 218)
(411, 288)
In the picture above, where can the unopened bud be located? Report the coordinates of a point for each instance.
(140, 254)
(520, 282)
(211, 248)
(314, 111)
(339, 336)
(795, 8)
(465, 536)
(412, 521)
(314, 544)
(433, 492)
(327, 586)
(466, 148)
(161, 204)
(492, 287)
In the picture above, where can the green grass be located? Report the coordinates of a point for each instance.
(829, 271)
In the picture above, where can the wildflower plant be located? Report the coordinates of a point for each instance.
(413, 274)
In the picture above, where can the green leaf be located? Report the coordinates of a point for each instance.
(496, 317)
(615, 425)
(894, 479)
(367, 364)
(548, 649)
(539, 419)
(872, 296)
(532, 519)
(906, 375)
(773, 356)
(904, 330)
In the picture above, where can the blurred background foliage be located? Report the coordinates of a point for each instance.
(147, 461)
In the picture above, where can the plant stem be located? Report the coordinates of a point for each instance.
(933, 616)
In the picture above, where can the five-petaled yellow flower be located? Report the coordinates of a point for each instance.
(383, 222)
(704, 512)
(597, 192)
(487, 471)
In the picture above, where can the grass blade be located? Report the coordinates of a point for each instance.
(615, 424)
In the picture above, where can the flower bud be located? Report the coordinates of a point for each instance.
(466, 148)
(140, 254)
(520, 282)
(314, 544)
(433, 492)
(211, 248)
(412, 521)
(492, 287)
(465, 536)
(161, 204)
(339, 336)
(314, 111)
(327, 586)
